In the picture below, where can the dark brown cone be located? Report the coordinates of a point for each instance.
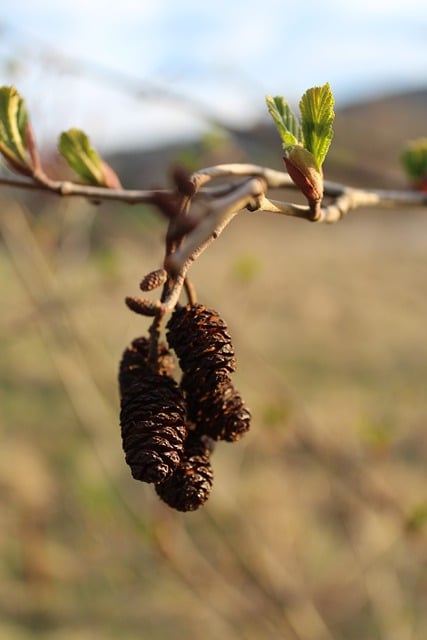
(152, 419)
(202, 343)
(153, 413)
(134, 363)
(219, 413)
(191, 483)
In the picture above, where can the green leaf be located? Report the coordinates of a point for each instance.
(286, 122)
(414, 159)
(13, 123)
(74, 145)
(317, 117)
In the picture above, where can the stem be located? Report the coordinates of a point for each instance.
(209, 229)
(274, 180)
(173, 236)
(284, 208)
(346, 200)
(190, 291)
(154, 332)
(218, 216)
(72, 189)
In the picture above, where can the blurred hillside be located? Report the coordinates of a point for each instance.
(365, 151)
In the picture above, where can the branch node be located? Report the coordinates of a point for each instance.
(65, 188)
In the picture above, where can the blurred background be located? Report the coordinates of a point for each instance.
(315, 529)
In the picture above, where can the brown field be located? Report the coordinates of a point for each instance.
(315, 527)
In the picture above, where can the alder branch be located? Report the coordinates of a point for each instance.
(213, 196)
(353, 198)
(219, 211)
(216, 219)
(348, 200)
(73, 189)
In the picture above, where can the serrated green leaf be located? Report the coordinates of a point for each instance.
(285, 120)
(13, 122)
(414, 159)
(74, 145)
(317, 117)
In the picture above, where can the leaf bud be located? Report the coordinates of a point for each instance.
(302, 168)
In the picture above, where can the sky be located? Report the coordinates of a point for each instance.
(138, 73)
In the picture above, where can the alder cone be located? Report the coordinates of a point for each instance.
(152, 416)
(134, 363)
(189, 486)
(202, 343)
(219, 413)
(152, 419)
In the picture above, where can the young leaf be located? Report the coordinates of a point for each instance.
(13, 124)
(75, 147)
(286, 122)
(317, 117)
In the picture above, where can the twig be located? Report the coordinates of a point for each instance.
(353, 198)
(190, 291)
(222, 212)
(274, 179)
(73, 189)
(201, 213)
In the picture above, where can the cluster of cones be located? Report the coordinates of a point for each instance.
(169, 429)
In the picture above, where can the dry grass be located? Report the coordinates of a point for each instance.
(314, 528)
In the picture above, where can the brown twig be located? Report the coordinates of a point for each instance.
(219, 216)
(198, 214)
(354, 198)
(73, 189)
(190, 291)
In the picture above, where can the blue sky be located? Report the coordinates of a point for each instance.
(82, 63)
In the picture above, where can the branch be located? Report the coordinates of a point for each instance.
(73, 189)
(215, 220)
(346, 198)
(200, 214)
(274, 179)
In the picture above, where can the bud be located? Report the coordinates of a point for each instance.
(302, 168)
(110, 178)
